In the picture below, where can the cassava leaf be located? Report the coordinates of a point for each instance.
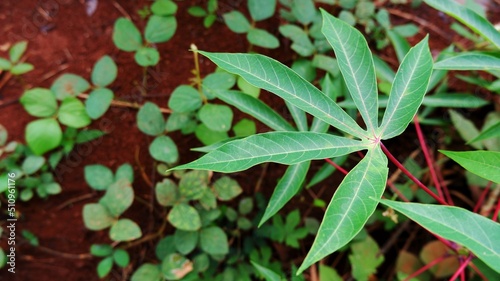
(350, 207)
(280, 147)
(408, 90)
(480, 162)
(271, 75)
(479, 234)
(469, 61)
(356, 64)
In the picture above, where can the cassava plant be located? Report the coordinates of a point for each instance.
(357, 197)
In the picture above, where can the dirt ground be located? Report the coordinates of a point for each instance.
(64, 39)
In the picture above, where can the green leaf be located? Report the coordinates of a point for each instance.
(17, 51)
(193, 184)
(104, 267)
(327, 273)
(118, 197)
(197, 11)
(175, 267)
(262, 38)
(480, 162)
(99, 177)
(51, 188)
(207, 136)
(166, 192)
(184, 99)
(304, 11)
(150, 119)
(72, 113)
(98, 102)
(365, 258)
(401, 45)
(164, 8)
(96, 217)
(124, 230)
(408, 90)
(160, 29)
(125, 171)
(268, 274)
(281, 147)
(32, 164)
(147, 56)
(383, 70)
(469, 61)
(479, 234)
(356, 64)
(465, 128)
(492, 132)
(287, 187)
(262, 72)
(126, 36)
(43, 135)
(244, 128)
(350, 207)
(147, 271)
(247, 88)
(104, 72)
(261, 9)
(454, 100)
(217, 81)
(69, 85)
(216, 117)
(236, 22)
(227, 189)
(101, 250)
(39, 102)
(184, 217)
(469, 18)
(121, 257)
(88, 135)
(213, 241)
(21, 68)
(5, 64)
(185, 241)
(164, 149)
(255, 107)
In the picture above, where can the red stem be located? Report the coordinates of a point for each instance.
(460, 270)
(396, 190)
(342, 170)
(428, 157)
(426, 267)
(474, 267)
(482, 197)
(413, 178)
(497, 210)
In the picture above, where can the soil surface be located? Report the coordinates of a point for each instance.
(64, 39)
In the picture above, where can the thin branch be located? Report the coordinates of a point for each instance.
(482, 197)
(118, 103)
(426, 267)
(461, 269)
(337, 166)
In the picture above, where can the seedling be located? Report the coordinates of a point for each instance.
(14, 65)
(209, 15)
(358, 195)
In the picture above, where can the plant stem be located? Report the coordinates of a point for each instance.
(342, 170)
(461, 269)
(197, 76)
(427, 156)
(497, 210)
(412, 177)
(426, 267)
(126, 104)
(482, 197)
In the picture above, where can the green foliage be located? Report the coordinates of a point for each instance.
(14, 64)
(209, 15)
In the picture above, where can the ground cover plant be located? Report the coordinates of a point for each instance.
(362, 146)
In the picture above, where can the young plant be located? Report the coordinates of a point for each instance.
(357, 197)
(209, 15)
(259, 10)
(160, 28)
(14, 65)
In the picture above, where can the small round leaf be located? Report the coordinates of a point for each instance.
(124, 230)
(213, 240)
(227, 188)
(207, 136)
(184, 99)
(118, 198)
(150, 119)
(147, 56)
(101, 250)
(236, 22)
(166, 192)
(164, 149)
(39, 102)
(99, 177)
(43, 135)
(98, 102)
(164, 8)
(126, 36)
(184, 217)
(72, 113)
(104, 267)
(96, 217)
(244, 128)
(175, 267)
(104, 72)
(125, 171)
(185, 241)
(69, 85)
(160, 29)
(193, 184)
(147, 271)
(121, 257)
(32, 164)
(216, 117)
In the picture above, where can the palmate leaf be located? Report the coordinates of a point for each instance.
(350, 206)
(469, 61)
(273, 76)
(356, 64)
(469, 18)
(408, 90)
(479, 234)
(280, 147)
(287, 187)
